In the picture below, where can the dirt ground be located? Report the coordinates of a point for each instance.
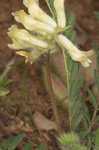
(36, 97)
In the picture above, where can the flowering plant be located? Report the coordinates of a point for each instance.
(42, 33)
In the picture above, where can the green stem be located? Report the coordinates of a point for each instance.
(68, 87)
(50, 8)
(67, 83)
(51, 93)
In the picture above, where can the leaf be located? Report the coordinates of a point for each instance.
(70, 33)
(77, 122)
(74, 108)
(96, 14)
(28, 146)
(11, 143)
(92, 98)
(3, 91)
(85, 124)
(85, 111)
(66, 12)
(97, 140)
(73, 37)
(71, 20)
(74, 73)
(75, 89)
(41, 147)
(15, 142)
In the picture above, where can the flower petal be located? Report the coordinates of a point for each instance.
(31, 24)
(22, 39)
(38, 13)
(60, 13)
(25, 54)
(74, 52)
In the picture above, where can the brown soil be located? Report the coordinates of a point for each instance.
(35, 96)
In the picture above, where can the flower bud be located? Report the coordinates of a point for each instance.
(22, 39)
(60, 13)
(31, 24)
(38, 13)
(74, 52)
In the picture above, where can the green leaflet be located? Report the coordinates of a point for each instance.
(11, 143)
(92, 98)
(70, 33)
(77, 122)
(85, 111)
(75, 90)
(75, 108)
(3, 91)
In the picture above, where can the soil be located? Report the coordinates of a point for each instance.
(36, 97)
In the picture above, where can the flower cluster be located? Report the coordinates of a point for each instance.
(42, 32)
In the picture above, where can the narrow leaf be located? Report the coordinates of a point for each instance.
(92, 99)
(71, 20)
(85, 111)
(11, 143)
(74, 108)
(85, 124)
(77, 122)
(3, 91)
(75, 88)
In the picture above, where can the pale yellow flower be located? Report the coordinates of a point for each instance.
(47, 29)
(38, 13)
(60, 13)
(31, 24)
(22, 39)
(75, 53)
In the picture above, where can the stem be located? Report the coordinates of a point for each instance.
(68, 88)
(51, 93)
(67, 85)
(50, 8)
(67, 72)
